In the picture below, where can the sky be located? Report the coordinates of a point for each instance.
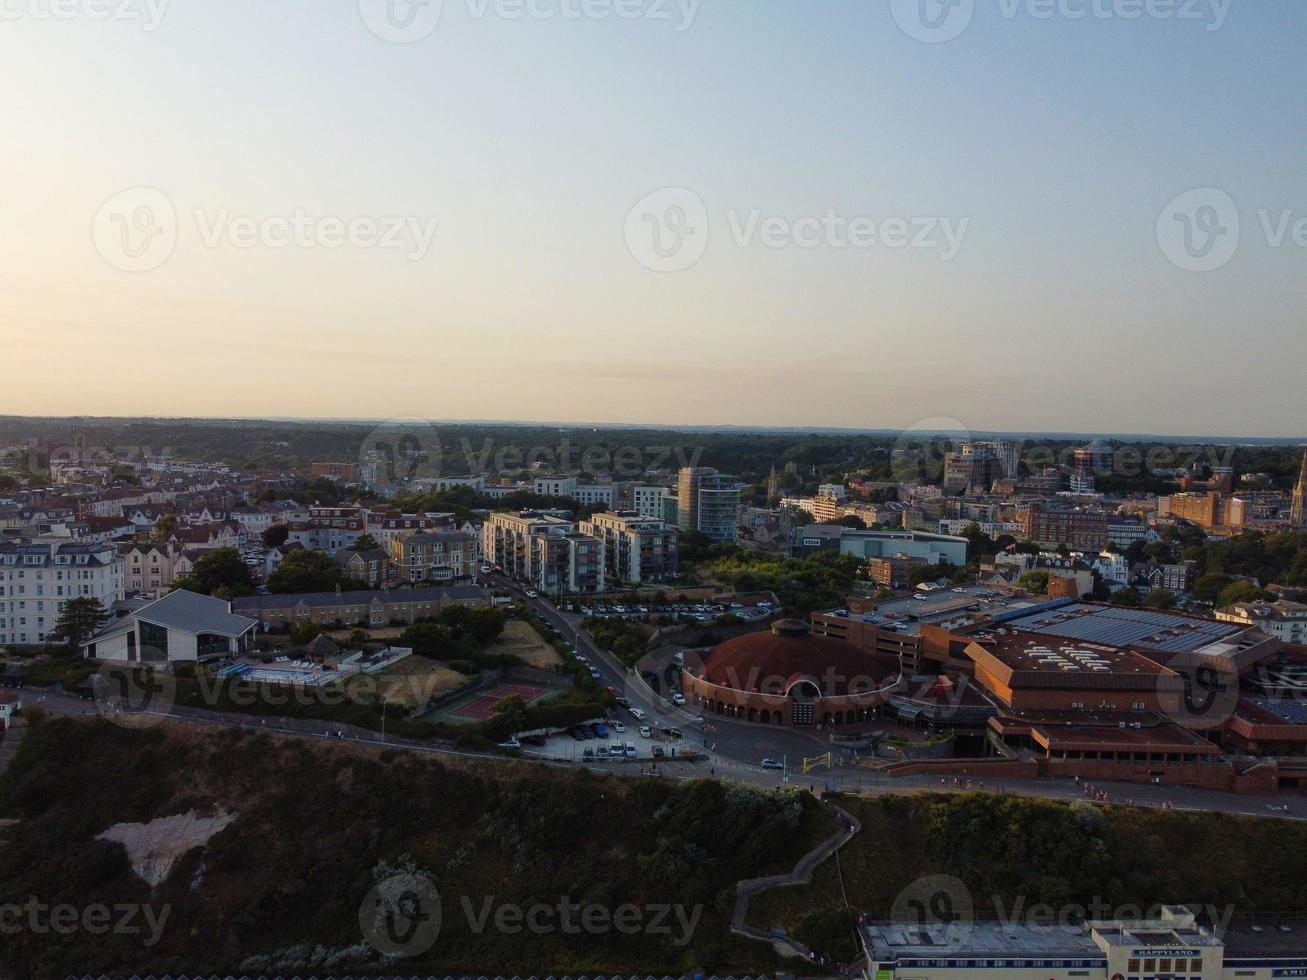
(1061, 215)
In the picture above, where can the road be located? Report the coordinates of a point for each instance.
(735, 750)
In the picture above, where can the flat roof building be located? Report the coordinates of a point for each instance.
(1171, 946)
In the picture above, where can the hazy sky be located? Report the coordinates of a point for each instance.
(981, 227)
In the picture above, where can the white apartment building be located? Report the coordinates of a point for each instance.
(555, 486)
(37, 579)
(651, 501)
(585, 494)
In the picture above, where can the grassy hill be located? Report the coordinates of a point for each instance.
(281, 887)
(1009, 850)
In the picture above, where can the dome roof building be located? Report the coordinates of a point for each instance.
(790, 676)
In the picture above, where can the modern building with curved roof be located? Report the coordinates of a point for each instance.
(791, 676)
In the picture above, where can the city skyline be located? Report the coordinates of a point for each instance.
(878, 243)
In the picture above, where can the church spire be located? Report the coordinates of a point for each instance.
(1300, 498)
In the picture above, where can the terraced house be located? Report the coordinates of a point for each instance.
(369, 608)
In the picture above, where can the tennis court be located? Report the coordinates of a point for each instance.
(481, 704)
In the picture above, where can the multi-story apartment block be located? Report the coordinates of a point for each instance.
(555, 486)
(545, 551)
(660, 503)
(1050, 525)
(1124, 533)
(636, 548)
(709, 502)
(585, 494)
(973, 468)
(434, 556)
(37, 579)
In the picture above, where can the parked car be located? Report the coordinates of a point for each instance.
(678, 699)
(631, 753)
(772, 764)
(577, 734)
(511, 743)
(658, 752)
(618, 727)
(588, 755)
(637, 714)
(486, 569)
(624, 702)
(532, 594)
(646, 731)
(600, 730)
(602, 752)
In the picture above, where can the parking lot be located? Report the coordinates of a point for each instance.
(684, 612)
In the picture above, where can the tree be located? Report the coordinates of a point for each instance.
(1159, 599)
(430, 640)
(980, 544)
(79, 619)
(1243, 591)
(1128, 597)
(309, 571)
(1034, 582)
(848, 520)
(220, 572)
(1209, 587)
(509, 714)
(694, 546)
(302, 634)
(275, 536)
(164, 527)
(366, 542)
